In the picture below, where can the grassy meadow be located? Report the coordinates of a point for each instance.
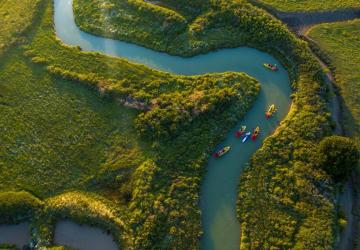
(57, 134)
(309, 5)
(341, 41)
(15, 17)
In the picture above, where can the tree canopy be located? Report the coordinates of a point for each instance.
(338, 156)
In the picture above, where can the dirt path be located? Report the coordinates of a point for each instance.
(346, 200)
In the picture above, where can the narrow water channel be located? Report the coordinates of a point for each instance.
(70, 234)
(18, 235)
(219, 188)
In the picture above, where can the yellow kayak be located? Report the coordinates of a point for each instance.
(271, 111)
(222, 152)
(255, 133)
(270, 66)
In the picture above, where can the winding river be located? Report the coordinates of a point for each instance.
(219, 188)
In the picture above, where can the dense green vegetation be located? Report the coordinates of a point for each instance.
(15, 17)
(190, 10)
(309, 5)
(61, 135)
(172, 113)
(17, 206)
(220, 24)
(284, 201)
(338, 156)
(307, 123)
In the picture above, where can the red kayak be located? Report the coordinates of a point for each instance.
(240, 132)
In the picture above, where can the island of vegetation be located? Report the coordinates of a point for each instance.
(106, 142)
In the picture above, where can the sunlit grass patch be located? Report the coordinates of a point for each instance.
(15, 17)
(341, 41)
(310, 5)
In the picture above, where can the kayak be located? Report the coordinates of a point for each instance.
(240, 132)
(222, 152)
(270, 66)
(255, 133)
(246, 136)
(271, 111)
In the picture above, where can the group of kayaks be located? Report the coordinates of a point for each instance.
(241, 132)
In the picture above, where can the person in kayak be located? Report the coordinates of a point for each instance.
(240, 132)
(222, 152)
(271, 111)
(270, 66)
(255, 133)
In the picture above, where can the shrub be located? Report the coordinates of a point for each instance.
(17, 206)
(338, 156)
